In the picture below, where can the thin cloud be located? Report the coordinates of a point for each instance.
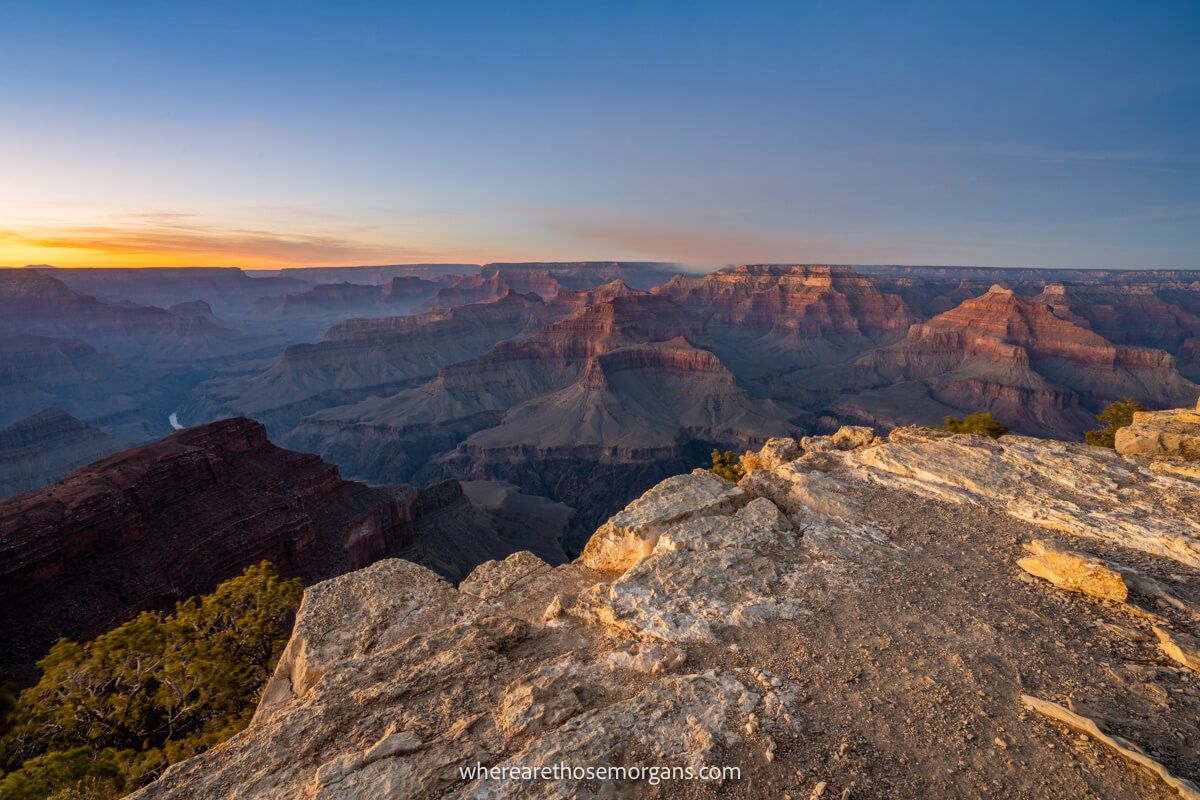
(175, 236)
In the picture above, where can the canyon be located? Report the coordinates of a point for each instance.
(590, 395)
(587, 382)
(486, 477)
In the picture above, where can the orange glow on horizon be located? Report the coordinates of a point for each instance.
(196, 246)
(80, 258)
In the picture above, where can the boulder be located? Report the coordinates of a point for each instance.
(494, 578)
(1179, 647)
(778, 451)
(812, 444)
(1175, 432)
(632, 533)
(352, 614)
(849, 437)
(1075, 572)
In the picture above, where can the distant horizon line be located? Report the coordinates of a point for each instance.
(630, 262)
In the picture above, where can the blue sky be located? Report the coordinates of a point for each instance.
(1040, 134)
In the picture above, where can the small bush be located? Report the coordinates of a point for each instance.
(727, 466)
(1116, 416)
(982, 424)
(750, 462)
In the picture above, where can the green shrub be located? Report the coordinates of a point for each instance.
(1116, 416)
(90, 788)
(153, 691)
(64, 771)
(727, 465)
(981, 423)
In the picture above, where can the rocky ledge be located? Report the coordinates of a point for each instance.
(1174, 434)
(926, 615)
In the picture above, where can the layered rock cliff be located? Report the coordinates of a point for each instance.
(774, 318)
(923, 615)
(590, 410)
(547, 279)
(1172, 435)
(151, 525)
(1124, 314)
(1034, 369)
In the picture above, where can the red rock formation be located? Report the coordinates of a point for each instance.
(1012, 329)
(620, 318)
(392, 437)
(148, 526)
(633, 414)
(811, 300)
(549, 279)
(492, 284)
(1035, 370)
(620, 389)
(579, 300)
(1130, 314)
(767, 320)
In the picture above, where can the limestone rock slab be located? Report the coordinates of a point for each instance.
(632, 533)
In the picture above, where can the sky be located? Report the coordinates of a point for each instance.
(270, 134)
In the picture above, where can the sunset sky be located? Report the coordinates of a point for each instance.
(292, 133)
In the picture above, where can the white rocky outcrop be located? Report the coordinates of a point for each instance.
(847, 616)
(778, 451)
(630, 535)
(1072, 488)
(1172, 433)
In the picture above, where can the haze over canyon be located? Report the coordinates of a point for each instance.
(581, 382)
